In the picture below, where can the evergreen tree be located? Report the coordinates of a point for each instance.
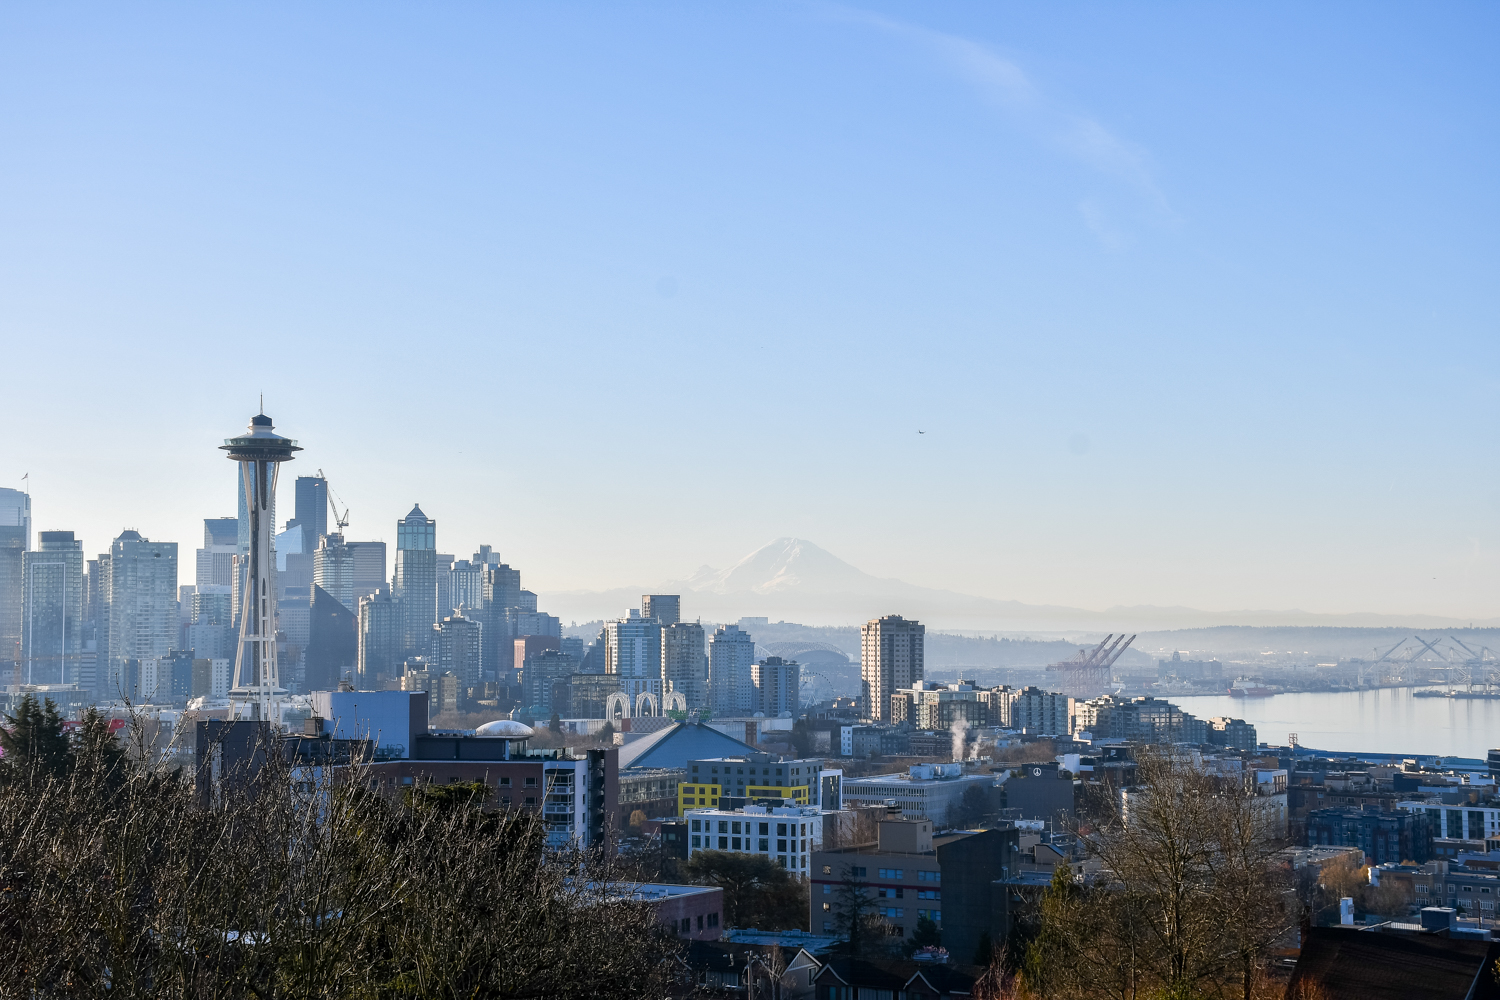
(33, 739)
(927, 935)
(96, 750)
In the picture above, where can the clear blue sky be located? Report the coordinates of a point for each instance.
(1196, 303)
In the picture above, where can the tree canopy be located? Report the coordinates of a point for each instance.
(757, 891)
(116, 882)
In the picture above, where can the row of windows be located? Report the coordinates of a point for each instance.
(733, 826)
(685, 926)
(406, 779)
(859, 871)
(733, 844)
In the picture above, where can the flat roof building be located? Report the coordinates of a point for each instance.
(744, 779)
(786, 834)
(926, 791)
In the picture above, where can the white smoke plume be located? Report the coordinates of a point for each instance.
(960, 727)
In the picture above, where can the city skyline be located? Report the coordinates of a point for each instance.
(1134, 331)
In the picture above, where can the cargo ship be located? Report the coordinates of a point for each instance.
(1251, 689)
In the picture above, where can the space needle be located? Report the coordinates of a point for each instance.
(260, 452)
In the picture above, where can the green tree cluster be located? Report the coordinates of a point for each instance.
(758, 892)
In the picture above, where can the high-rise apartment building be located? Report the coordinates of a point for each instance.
(891, 658)
(633, 653)
(731, 687)
(665, 608)
(522, 623)
(458, 649)
(415, 584)
(443, 574)
(142, 606)
(52, 626)
(310, 508)
(333, 570)
(500, 590)
(369, 568)
(777, 686)
(466, 586)
(210, 630)
(527, 646)
(15, 541)
(685, 663)
(1038, 711)
(380, 636)
(215, 561)
(545, 681)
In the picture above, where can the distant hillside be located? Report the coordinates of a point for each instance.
(796, 580)
(1239, 642)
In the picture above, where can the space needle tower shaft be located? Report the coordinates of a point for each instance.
(259, 452)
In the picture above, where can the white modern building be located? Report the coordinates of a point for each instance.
(929, 791)
(731, 683)
(787, 834)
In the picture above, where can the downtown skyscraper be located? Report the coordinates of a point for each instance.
(52, 629)
(142, 609)
(414, 586)
(15, 541)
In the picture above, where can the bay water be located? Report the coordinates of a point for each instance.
(1387, 720)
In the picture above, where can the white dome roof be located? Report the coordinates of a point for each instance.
(505, 729)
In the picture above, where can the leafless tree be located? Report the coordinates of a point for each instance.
(113, 881)
(1189, 900)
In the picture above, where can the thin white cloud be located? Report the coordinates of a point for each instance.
(1005, 84)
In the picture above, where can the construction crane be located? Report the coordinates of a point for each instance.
(342, 522)
(1087, 674)
(1476, 663)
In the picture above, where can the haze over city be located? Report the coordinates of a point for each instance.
(1193, 307)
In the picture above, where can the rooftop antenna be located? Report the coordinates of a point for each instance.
(262, 402)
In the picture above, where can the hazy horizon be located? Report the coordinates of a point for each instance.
(1192, 307)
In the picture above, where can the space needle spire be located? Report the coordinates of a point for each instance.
(260, 452)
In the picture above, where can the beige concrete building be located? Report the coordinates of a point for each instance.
(891, 658)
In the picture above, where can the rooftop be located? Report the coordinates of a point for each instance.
(652, 892)
(679, 743)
